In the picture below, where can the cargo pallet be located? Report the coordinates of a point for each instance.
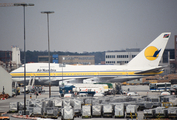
(96, 116)
(66, 119)
(86, 116)
(37, 115)
(131, 115)
(77, 114)
(119, 116)
(108, 115)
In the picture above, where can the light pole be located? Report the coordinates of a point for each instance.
(24, 5)
(48, 12)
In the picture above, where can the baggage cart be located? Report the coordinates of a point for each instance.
(172, 112)
(131, 111)
(119, 110)
(149, 113)
(67, 113)
(86, 111)
(96, 110)
(107, 110)
(161, 112)
(77, 108)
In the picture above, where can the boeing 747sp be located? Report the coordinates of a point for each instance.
(146, 63)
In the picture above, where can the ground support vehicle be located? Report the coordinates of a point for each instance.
(66, 89)
(4, 117)
(88, 93)
(160, 86)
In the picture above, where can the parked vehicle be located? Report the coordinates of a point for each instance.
(132, 94)
(160, 86)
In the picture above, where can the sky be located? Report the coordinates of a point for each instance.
(87, 25)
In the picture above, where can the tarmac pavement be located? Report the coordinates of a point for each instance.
(142, 90)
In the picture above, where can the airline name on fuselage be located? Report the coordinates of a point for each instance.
(46, 70)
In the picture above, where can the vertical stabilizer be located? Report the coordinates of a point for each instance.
(151, 55)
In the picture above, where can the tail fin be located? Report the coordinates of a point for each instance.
(150, 56)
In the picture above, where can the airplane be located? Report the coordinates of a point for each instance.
(146, 63)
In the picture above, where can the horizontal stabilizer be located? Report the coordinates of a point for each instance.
(157, 69)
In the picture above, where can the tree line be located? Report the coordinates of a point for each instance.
(32, 56)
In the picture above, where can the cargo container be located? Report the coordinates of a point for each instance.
(67, 113)
(119, 110)
(108, 110)
(86, 111)
(13, 106)
(37, 112)
(77, 107)
(161, 112)
(131, 111)
(66, 102)
(96, 110)
(149, 113)
(172, 112)
(58, 103)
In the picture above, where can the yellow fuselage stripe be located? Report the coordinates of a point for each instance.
(69, 74)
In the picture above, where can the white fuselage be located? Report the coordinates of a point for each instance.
(116, 73)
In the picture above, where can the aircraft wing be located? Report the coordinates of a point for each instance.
(156, 69)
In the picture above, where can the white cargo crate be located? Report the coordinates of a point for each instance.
(13, 106)
(86, 111)
(58, 102)
(160, 112)
(149, 113)
(172, 112)
(96, 110)
(66, 102)
(119, 110)
(67, 113)
(107, 110)
(131, 111)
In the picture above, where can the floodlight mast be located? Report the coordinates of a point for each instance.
(48, 12)
(24, 5)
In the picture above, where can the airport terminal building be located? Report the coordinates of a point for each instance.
(120, 57)
(77, 59)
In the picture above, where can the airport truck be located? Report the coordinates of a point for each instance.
(113, 88)
(97, 88)
(66, 89)
(90, 89)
